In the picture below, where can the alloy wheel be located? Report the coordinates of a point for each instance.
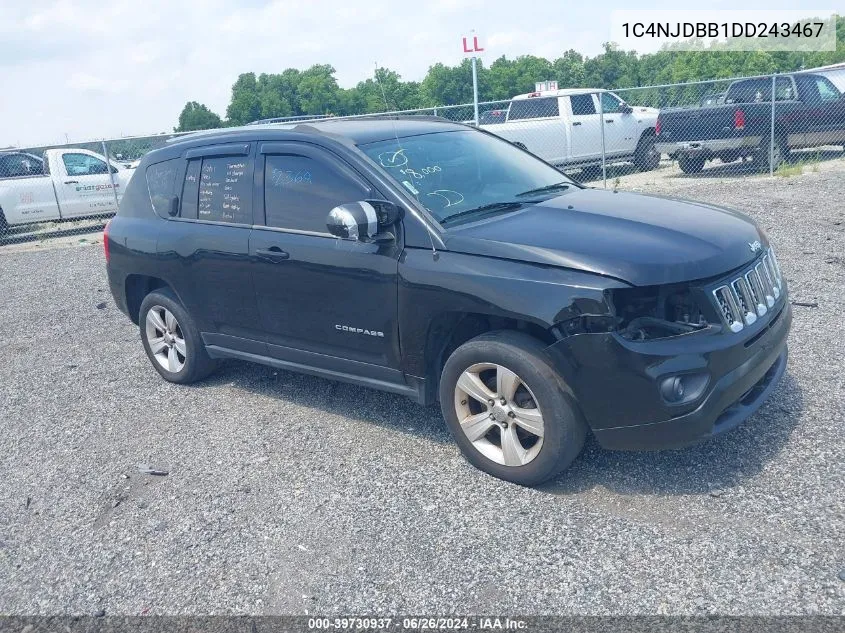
(498, 413)
(165, 338)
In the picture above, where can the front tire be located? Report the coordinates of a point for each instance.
(509, 410)
(171, 339)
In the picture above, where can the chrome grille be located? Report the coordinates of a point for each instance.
(743, 300)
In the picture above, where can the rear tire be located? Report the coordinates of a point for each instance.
(535, 434)
(646, 157)
(172, 340)
(691, 164)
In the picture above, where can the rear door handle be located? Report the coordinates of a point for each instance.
(273, 254)
(574, 123)
(71, 182)
(608, 120)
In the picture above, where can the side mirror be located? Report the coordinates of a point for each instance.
(624, 108)
(362, 221)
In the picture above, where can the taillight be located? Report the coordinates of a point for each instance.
(739, 120)
(106, 240)
(657, 127)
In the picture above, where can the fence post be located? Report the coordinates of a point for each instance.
(111, 175)
(601, 124)
(475, 90)
(772, 132)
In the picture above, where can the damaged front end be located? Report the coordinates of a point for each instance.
(656, 366)
(646, 314)
(658, 312)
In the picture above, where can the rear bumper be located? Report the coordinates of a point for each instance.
(617, 383)
(708, 147)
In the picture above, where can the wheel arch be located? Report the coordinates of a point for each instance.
(139, 286)
(449, 330)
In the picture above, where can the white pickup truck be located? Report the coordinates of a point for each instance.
(564, 128)
(65, 183)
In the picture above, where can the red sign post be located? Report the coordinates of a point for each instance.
(473, 49)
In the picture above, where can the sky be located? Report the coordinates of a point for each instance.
(81, 70)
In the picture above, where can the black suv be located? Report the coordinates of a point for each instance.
(436, 260)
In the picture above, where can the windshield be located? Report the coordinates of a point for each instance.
(462, 171)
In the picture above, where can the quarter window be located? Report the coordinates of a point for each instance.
(300, 191)
(161, 179)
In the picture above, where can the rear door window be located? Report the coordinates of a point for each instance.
(533, 108)
(760, 90)
(190, 190)
(217, 189)
(225, 189)
(582, 104)
(20, 166)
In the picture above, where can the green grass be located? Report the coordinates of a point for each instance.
(785, 170)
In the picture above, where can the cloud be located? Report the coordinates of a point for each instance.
(95, 68)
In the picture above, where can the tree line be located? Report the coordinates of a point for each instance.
(315, 91)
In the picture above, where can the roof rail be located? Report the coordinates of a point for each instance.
(377, 116)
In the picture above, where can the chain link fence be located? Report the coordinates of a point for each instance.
(68, 189)
(775, 125)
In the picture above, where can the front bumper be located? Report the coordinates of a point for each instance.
(616, 382)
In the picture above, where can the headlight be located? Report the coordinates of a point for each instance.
(656, 312)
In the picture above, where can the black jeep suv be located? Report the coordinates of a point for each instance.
(439, 261)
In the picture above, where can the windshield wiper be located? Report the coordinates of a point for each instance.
(555, 187)
(493, 206)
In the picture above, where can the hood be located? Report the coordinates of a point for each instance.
(643, 240)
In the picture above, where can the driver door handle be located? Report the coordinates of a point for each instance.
(608, 120)
(576, 123)
(273, 254)
(71, 182)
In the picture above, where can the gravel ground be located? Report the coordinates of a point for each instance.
(291, 494)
